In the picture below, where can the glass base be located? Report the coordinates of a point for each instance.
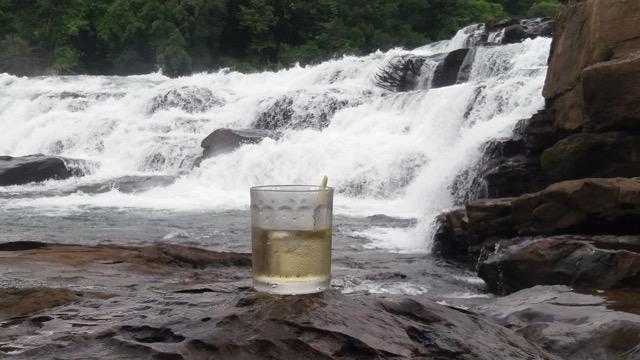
(292, 288)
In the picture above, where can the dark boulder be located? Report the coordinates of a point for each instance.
(516, 30)
(513, 176)
(514, 34)
(37, 168)
(528, 29)
(222, 141)
(446, 73)
(451, 240)
(574, 260)
(510, 168)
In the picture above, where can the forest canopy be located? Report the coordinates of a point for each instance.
(184, 36)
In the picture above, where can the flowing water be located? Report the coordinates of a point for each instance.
(392, 157)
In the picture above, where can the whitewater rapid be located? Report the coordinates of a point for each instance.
(392, 154)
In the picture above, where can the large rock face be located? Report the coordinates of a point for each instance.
(592, 75)
(588, 134)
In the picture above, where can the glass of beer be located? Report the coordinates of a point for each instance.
(291, 238)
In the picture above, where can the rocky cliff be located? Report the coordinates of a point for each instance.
(564, 200)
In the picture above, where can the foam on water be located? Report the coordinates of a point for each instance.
(392, 154)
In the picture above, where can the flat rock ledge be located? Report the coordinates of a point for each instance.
(175, 302)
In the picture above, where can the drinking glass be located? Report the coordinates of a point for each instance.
(291, 238)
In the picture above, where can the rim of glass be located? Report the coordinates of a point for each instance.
(290, 188)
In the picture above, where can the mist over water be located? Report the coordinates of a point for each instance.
(391, 154)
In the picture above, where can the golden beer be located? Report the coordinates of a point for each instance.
(291, 238)
(286, 257)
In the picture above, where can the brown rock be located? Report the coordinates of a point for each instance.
(328, 325)
(573, 325)
(606, 206)
(576, 45)
(22, 301)
(570, 115)
(592, 75)
(612, 94)
(490, 217)
(585, 155)
(566, 260)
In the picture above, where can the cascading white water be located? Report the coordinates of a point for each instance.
(392, 154)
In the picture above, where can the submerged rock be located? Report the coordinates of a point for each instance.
(37, 168)
(191, 99)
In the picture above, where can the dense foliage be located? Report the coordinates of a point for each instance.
(182, 36)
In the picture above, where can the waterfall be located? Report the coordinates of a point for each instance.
(393, 154)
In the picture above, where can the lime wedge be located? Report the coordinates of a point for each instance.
(323, 185)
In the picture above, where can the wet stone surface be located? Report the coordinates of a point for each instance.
(176, 302)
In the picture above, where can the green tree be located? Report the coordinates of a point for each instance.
(544, 8)
(15, 56)
(258, 19)
(143, 34)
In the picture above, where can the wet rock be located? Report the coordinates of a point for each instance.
(514, 34)
(451, 239)
(585, 206)
(186, 256)
(126, 184)
(21, 245)
(567, 260)
(190, 99)
(513, 176)
(222, 141)
(515, 30)
(610, 154)
(575, 326)
(146, 316)
(299, 111)
(540, 131)
(37, 168)
(447, 71)
(330, 325)
(23, 301)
